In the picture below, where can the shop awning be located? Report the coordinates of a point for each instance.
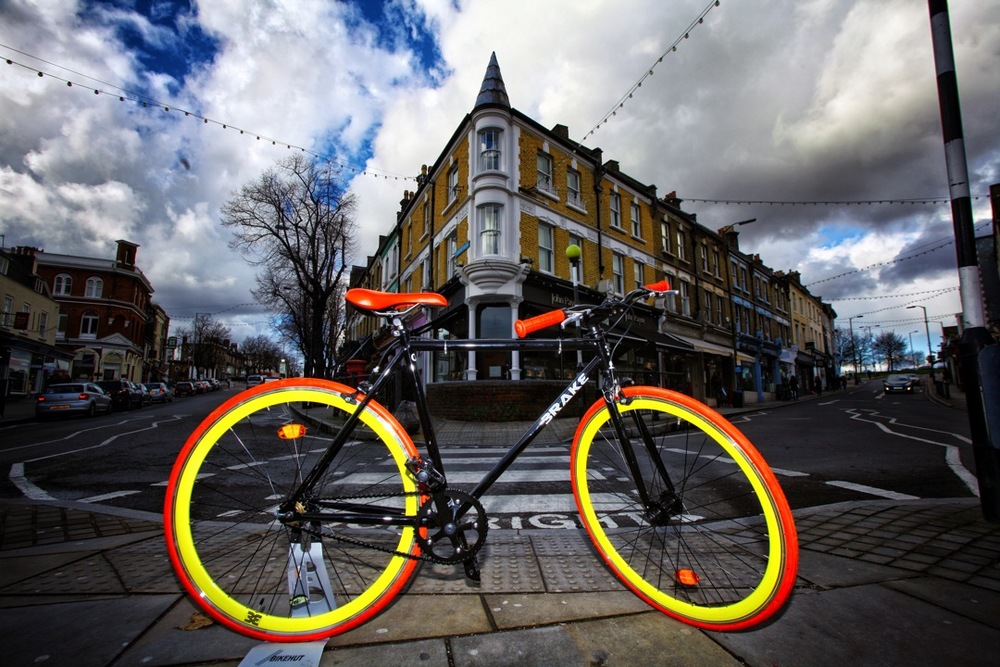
(711, 348)
(672, 342)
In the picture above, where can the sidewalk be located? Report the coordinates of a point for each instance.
(880, 583)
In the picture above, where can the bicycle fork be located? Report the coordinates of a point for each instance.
(667, 503)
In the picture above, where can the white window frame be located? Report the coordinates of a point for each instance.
(453, 183)
(546, 248)
(95, 288)
(636, 216)
(491, 149)
(685, 293)
(452, 247)
(490, 223)
(573, 188)
(616, 210)
(665, 235)
(89, 322)
(543, 173)
(62, 285)
(618, 272)
(639, 274)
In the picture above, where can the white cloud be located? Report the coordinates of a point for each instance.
(812, 100)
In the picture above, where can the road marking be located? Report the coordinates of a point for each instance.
(30, 490)
(881, 493)
(25, 485)
(952, 454)
(107, 496)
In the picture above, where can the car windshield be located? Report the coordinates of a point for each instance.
(64, 389)
(897, 378)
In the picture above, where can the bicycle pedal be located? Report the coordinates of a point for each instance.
(472, 569)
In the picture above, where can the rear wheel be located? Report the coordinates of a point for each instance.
(717, 548)
(285, 581)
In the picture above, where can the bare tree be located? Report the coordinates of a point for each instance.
(261, 354)
(297, 222)
(890, 346)
(206, 345)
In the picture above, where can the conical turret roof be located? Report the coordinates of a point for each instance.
(493, 92)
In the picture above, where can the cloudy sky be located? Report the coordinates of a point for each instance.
(786, 104)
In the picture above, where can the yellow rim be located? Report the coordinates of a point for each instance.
(188, 553)
(769, 582)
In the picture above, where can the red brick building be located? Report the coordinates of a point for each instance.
(106, 315)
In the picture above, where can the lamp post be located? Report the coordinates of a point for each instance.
(927, 330)
(854, 346)
(915, 362)
(573, 253)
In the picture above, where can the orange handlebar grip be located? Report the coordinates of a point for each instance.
(525, 327)
(662, 286)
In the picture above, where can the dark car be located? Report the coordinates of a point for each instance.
(124, 394)
(184, 388)
(82, 398)
(159, 392)
(898, 384)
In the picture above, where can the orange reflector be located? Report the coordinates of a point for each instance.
(291, 431)
(686, 577)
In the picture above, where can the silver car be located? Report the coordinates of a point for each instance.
(68, 398)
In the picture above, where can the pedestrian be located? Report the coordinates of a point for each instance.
(793, 387)
(819, 385)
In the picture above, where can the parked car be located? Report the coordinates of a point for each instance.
(84, 398)
(254, 380)
(201, 387)
(124, 394)
(159, 392)
(895, 384)
(147, 398)
(184, 388)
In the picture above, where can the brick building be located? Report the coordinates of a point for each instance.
(488, 226)
(107, 322)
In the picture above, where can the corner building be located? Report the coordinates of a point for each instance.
(488, 227)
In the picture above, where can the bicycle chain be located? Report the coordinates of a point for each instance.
(421, 557)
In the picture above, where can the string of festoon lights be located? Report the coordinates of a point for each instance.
(832, 202)
(882, 297)
(944, 243)
(649, 71)
(110, 90)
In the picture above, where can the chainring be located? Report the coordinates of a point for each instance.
(445, 535)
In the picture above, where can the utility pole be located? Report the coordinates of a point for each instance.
(981, 389)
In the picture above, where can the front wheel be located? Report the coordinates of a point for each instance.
(287, 580)
(715, 546)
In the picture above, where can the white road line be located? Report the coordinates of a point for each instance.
(25, 485)
(952, 455)
(108, 496)
(881, 493)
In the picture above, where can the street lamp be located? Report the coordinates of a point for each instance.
(915, 362)
(573, 253)
(854, 346)
(927, 330)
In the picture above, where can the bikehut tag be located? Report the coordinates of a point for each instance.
(300, 654)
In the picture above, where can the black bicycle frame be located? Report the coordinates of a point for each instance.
(400, 356)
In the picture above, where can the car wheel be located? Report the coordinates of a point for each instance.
(92, 409)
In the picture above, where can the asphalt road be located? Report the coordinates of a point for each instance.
(857, 444)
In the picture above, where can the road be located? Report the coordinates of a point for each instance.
(847, 445)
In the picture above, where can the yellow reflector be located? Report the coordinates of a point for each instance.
(291, 431)
(686, 577)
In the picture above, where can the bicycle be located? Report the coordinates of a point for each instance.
(299, 509)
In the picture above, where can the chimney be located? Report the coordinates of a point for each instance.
(126, 254)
